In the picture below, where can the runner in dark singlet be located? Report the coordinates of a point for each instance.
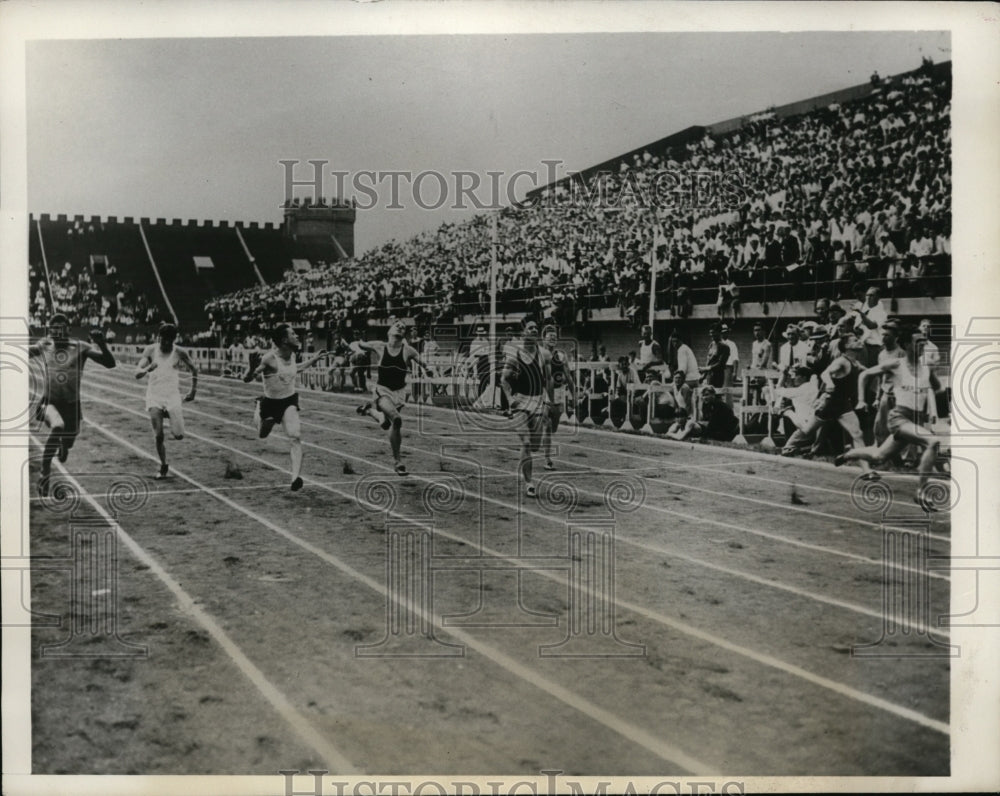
(59, 407)
(836, 401)
(562, 385)
(393, 359)
(527, 382)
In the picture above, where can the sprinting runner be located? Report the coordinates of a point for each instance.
(914, 387)
(161, 361)
(527, 382)
(835, 402)
(562, 382)
(389, 389)
(280, 402)
(63, 360)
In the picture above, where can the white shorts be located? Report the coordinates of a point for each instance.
(168, 403)
(398, 397)
(173, 408)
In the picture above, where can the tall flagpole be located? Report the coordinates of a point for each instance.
(652, 286)
(493, 307)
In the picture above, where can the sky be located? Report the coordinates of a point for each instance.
(194, 128)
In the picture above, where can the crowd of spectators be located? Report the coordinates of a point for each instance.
(86, 301)
(847, 193)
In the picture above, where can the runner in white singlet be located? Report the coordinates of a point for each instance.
(161, 362)
(280, 403)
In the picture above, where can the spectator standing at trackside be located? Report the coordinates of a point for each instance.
(931, 356)
(650, 355)
(792, 352)
(479, 358)
(835, 315)
(681, 358)
(718, 358)
(761, 354)
(870, 315)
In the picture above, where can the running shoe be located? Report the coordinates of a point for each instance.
(400, 469)
(164, 468)
(296, 484)
(871, 475)
(839, 460)
(63, 452)
(549, 465)
(530, 491)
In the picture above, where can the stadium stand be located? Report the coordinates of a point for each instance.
(762, 216)
(848, 189)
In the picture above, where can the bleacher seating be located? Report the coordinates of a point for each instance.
(809, 201)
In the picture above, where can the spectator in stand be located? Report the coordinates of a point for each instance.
(835, 177)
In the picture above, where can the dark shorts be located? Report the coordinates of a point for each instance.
(827, 407)
(899, 415)
(274, 408)
(71, 415)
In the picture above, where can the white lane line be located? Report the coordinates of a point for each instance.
(158, 492)
(682, 627)
(657, 746)
(328, 753)
(652, 508)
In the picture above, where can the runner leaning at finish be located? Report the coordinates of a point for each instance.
(63, 360)
(527, 382)
(280, 402)
(392, 361)
(914, 386)
(160, 362)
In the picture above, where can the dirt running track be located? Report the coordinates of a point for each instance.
(734, 618)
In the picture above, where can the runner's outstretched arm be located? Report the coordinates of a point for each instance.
(310, 362)
(104, 356)
(146, 364)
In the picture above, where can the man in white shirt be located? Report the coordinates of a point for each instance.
(794, 351)
(682, 358)
(733, 363)
(870, 315)
(932, 354)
